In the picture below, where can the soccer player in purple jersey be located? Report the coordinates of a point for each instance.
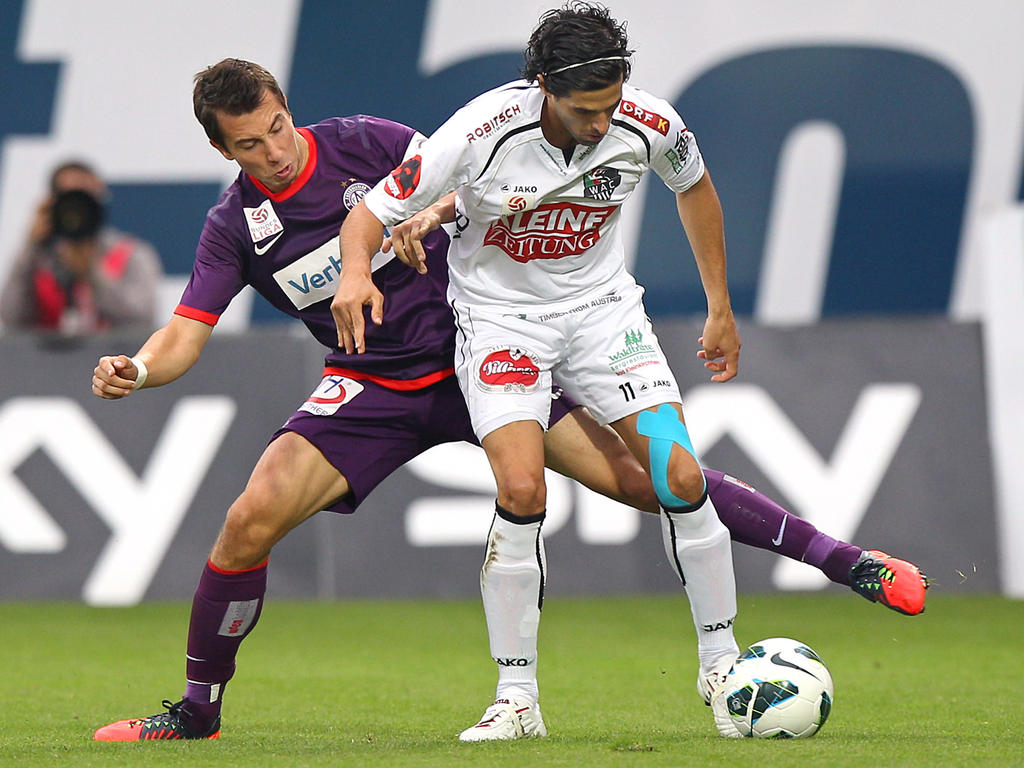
(276, 228)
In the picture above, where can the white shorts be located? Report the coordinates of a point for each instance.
(602, 353)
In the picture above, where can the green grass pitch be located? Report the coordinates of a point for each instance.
(392, 683)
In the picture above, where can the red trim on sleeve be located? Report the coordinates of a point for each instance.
(196, 314)
(231, 573)
(300, 180)
(116, 259)
(399, 384)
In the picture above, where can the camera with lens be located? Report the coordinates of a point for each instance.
(77, 215)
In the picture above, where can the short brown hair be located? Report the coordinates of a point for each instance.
(234, 86)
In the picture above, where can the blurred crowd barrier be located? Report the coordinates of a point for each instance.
(875, 430)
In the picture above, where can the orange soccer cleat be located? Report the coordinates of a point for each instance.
(172, 724)
(894, 583)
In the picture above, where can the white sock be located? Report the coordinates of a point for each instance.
(512, 586)
(698, 547)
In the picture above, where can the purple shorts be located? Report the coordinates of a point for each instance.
(375, 431)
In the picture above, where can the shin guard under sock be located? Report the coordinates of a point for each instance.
(225, 608)
(698, 546)
(512, 587)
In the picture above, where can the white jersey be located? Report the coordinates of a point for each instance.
(536, 230)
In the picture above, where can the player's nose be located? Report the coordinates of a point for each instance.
(275, 154)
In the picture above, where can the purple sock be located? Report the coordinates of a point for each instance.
(225, 608)
(754, 519)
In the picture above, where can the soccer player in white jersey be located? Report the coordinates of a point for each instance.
(539, 289)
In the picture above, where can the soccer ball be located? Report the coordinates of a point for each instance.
(779, 689)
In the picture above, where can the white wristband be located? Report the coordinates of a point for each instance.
(143, 372)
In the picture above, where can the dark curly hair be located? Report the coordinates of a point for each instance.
(575, 33)
(232, 86)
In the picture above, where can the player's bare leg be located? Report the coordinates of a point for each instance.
(578, 447)
(512, 582)
(291, 482)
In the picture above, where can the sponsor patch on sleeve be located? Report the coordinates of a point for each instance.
(644, 116)
(405, 178)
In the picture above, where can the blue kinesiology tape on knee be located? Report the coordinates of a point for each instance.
(664, 429)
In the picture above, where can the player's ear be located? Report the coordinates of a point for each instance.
(548, 95)
(219, 148)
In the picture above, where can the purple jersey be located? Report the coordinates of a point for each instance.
(285, 245)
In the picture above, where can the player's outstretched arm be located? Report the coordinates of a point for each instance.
(407, 238)
(166, 355)
(360, 238)
(701, 215)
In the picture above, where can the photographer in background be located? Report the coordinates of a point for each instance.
(77, 276)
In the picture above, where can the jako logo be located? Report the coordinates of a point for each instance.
(717, 626)
(512, 662)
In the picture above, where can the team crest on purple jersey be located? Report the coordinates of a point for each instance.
(354, 192)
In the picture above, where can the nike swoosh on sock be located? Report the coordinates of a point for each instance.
(782, 529)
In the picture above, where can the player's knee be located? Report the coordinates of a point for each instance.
(522, 493)
(685, 478)
(637, 490)
(675, 471)
(249, 533)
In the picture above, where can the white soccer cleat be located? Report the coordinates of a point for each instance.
(711, 686)
(507, 719)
